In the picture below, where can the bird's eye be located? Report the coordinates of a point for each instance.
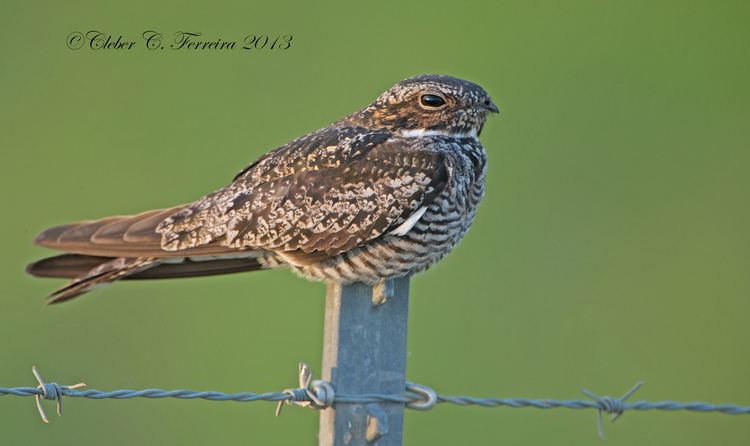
(431, 101)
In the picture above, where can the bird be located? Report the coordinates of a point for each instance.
(382, 193)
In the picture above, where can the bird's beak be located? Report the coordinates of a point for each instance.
(490, 106)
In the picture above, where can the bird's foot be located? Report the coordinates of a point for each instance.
(381, 292)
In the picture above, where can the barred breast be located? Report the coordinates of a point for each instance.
(442, 225)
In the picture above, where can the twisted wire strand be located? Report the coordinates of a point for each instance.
(461, 400)
(666, 405)
(320, 395)
(205, 395)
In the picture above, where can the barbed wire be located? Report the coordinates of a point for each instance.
(319, 394)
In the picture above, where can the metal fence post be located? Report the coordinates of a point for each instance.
(364, 352)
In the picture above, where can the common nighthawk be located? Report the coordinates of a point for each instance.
(384, 192)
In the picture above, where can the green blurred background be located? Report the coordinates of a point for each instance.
(612, 244)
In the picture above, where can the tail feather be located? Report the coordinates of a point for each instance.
(98, 252)
(103, 274)
(65, 266)
(89, 272)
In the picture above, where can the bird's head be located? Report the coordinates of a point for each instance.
(430, 104)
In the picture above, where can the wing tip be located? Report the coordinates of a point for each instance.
(46, 238)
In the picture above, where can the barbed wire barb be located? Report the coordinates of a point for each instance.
(610, 405)
(314, 394)
(50, 391)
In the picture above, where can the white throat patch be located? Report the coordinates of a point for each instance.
(417, 133)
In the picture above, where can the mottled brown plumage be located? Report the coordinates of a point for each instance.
(384, 192)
